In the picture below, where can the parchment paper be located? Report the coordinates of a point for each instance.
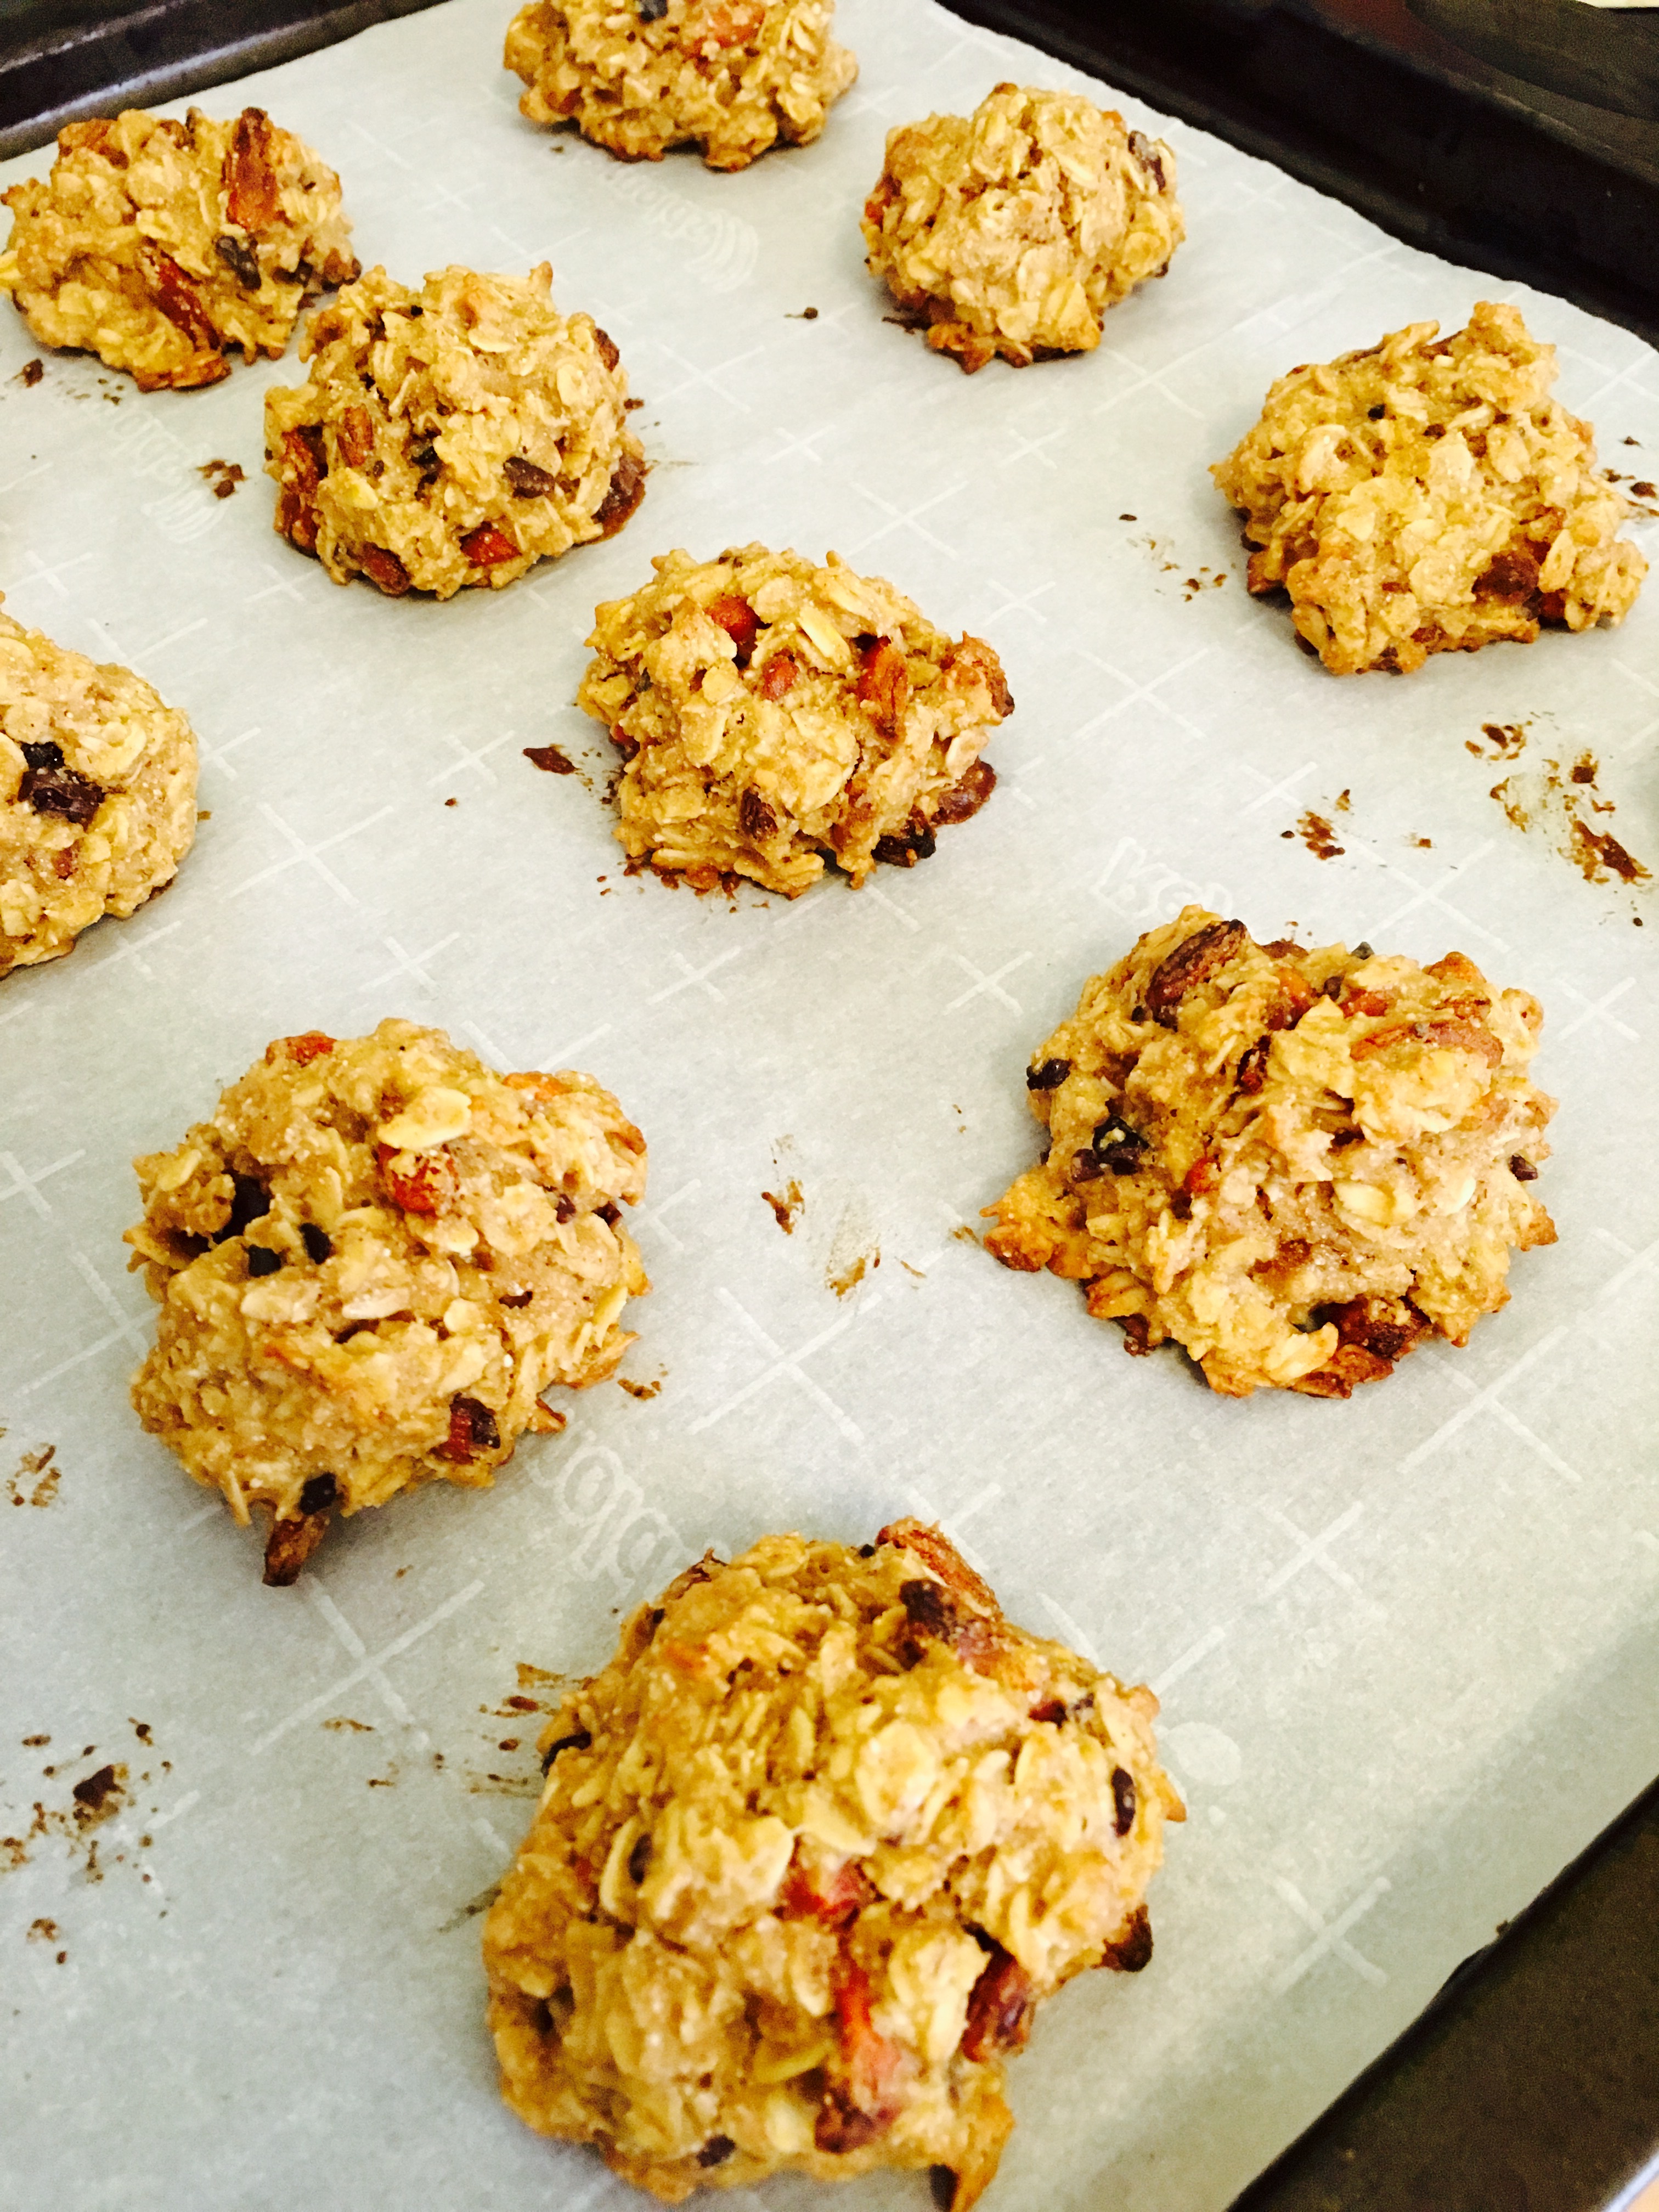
(1407, 1644)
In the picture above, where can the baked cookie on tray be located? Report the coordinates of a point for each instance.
(1297, 1163)
(370, 1263)
(1428, 495)
(97, 795)
(771, 712)
(637, 76)
(811, 1850)
(1011, 231)
(451, 436)
(159, 245)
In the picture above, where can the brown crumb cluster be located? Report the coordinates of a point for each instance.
(370, 1264)
(772, 713)
(161, 245)
(452, 436)
(1428, 495)
(811, 1851)
(1297, 1163)
(1011, 231)
(637, 76)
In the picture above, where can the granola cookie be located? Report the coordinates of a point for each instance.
(370, 1263)
(158, 246)
(1012, 230)
(1296, 1163)
(770, 711)
(637, 76)
(811, 1851)
(1422, 497)
(97, 795)
(453, 435)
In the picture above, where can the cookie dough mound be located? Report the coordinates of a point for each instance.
(453, 435)
(97, 795)
(371, 1262)
(811, 1850)
(159, 245)
(770, 711)
(638, 76)
(1428, 497)
(1296, 1163)
(1011, 231)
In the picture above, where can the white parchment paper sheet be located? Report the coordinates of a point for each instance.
(1406, 1645)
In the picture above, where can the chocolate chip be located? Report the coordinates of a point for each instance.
(61, 790)
(1133, 1948)
(250, 1203)
(1523, 1169)
(579, 1741)
(1362, 951)
(1376, 413)
(316, 1241)
(638, 1859)
(917, 842)
(942, 2182)
(653, 11)
(45, 753)
(1087, 1166)
(1136, 1336)
(319, 1495)
(755, 816)
(1119, 1147)
(866, 1551)
(718, 2148)
(1047, 1075)
(528, 482)
(1252, 1067)
(627, 490)
(564, 1208)
(1123, 1800)
(930, 1616)
(262, 1261)
(608, 1214)
(606, 346)
(1147, 154)
(239, 257)
(1181, 1206)
(1332, 986)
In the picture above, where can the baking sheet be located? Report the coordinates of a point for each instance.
(1405, 1645)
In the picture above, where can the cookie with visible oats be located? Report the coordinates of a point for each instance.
(811, 1850)
(97, 795)
(1297, 1163)
(370, 1264)
(159, 245)
(1012, 230)
(772, 713)
(637, 76)
(451, 436)
(1428, 495)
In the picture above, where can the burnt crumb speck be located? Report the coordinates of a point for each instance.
(549, 758)
(32, 372)
(638, 1859)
